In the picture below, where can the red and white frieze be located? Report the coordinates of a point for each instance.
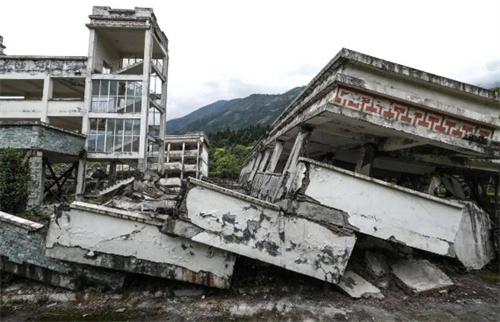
(410, 115)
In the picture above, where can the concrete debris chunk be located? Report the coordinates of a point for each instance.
(420, 276)
(376, 264)
(357, 287)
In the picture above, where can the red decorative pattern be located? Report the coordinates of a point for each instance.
(410, 115)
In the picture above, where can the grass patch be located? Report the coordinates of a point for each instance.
(490, 276)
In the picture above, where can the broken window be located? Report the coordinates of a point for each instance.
(116, 96)
(114, 135)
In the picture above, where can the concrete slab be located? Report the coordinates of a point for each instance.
(420, 276)
(126, 241)
(411, 218)
(357, 287)
(250, 227)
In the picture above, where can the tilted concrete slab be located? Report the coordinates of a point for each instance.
(398, 214)
(127, 241)
(22, 252)
(357, 287)
(420, 276)
(250, 227)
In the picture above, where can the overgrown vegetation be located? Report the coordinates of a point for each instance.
(230, 148)
(14, 181)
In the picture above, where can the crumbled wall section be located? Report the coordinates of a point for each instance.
(22, 252)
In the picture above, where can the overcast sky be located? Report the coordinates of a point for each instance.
(229, 49)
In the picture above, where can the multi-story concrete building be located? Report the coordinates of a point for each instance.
(116, 96)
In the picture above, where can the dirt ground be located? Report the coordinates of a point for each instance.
(259, 292)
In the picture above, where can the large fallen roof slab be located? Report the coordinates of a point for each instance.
(398, 214)
(123, 240)
(257, 229)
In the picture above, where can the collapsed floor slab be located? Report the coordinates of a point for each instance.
(122, 240)
(250, 227)
(398, 214)
(22, 247)
(420, 276)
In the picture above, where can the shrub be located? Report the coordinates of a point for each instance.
(14, 181)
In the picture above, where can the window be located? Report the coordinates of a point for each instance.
(114, 135)
(116, 96)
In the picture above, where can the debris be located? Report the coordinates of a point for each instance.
(376, 264)
(357, 287)
(186, 292)
(420, 276)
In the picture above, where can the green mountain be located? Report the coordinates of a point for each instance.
(254, 110)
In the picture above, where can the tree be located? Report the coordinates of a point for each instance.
(14, 181)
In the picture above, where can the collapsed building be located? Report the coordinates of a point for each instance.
(370, 150)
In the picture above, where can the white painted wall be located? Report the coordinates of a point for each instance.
(243, 226)
(98, 232)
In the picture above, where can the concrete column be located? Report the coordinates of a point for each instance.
(146, 74)
(37, 179)
(255, 167)
(365, 160)
(264, 160)
(275, 157)
(293, 158)
(46, 96)
(182, 159)
(80, 178)
(197, 159)
(163, 115)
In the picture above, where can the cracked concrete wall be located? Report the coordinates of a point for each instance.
(398, 214)
(122, 240)
(37, 136)
(22, 252)
(250, 227)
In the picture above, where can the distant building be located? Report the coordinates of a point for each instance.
(187, 155)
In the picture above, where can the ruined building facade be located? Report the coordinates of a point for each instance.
(115, 98)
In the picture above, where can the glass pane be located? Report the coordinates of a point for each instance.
(110, 136)
(128, 127)
(104, 91)
(118, 143)
(92, 135)
(130, 105)
(95, 87)
(131, 88)
(138, 104)
(135, 144)
(136, 127)
(121, 88)
(127, 143)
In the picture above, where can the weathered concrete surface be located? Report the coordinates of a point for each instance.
(22, 247)
(412, 218)
(419, 276)
(376, 264)
(256, 229)
(123, 240)
(357, 287)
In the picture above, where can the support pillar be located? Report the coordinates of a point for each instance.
(365, 160)
(80, 177)
(37, 179)
(275, 157)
